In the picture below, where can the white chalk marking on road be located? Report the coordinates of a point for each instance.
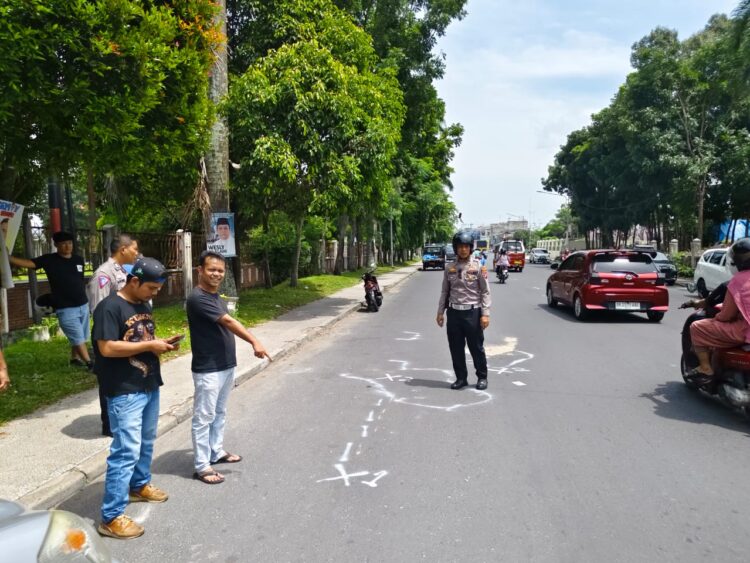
(380, 402)
(499, 349)
(143, 516)
(359, 449)
(374, 483)
(414, 336)
(519, 383)
(536, 287)
(371, 417)
(345, 457)
(364, 430)
(380, 388)
(297, 371)
(343, 475)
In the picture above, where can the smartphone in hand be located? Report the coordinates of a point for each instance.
(176, 339)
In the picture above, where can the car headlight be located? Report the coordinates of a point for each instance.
(71, 539)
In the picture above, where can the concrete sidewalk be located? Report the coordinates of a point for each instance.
(48, 456)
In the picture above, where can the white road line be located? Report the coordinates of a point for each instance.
(519, 383)
(371, 416)
(345, 457)
(364, 430)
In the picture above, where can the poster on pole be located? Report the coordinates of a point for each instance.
(221, 239)
(11, 215)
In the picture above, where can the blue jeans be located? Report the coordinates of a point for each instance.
(133, 419)
(74, 322)
(210, 415)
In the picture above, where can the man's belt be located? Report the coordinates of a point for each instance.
(463, 307)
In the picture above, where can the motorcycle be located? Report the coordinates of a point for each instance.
(373, 295)
(502, 273)
(731, 382)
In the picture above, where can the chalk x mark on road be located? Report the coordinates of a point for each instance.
(343, 475)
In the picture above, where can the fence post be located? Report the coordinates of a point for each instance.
(673, 247)
(695, 250)
(33, 286)
(185, 257)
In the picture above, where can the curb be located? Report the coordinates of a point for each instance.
(76, 478)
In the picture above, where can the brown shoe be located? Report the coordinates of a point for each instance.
(148, 493)
(121, 528)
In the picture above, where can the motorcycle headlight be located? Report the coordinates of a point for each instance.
(70, 539)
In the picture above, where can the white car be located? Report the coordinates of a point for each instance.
(712, 270)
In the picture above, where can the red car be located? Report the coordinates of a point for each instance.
(609, 280)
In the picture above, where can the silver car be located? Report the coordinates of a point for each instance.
(44, 536)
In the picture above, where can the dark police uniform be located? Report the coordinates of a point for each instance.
(466, 295)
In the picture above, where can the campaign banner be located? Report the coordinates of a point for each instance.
(11, 215)
(221, 239)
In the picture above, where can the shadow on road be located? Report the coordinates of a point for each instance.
(428, 383)
(674, 400)
(595, 317)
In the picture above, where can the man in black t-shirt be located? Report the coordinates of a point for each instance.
(212, 332)
(65, 274)
(127, 365)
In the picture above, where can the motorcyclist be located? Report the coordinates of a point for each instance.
(501, 261)
(731, 326)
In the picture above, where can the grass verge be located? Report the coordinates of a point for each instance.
(40, 374)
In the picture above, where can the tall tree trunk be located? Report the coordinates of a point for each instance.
(268, 283)
(343, 223)
(217, 157)
(701, 201)
(92, 242)
(294, 278)
(352, 250)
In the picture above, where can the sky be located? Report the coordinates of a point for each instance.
(521, 75)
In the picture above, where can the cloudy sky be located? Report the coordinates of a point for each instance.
(522, 74)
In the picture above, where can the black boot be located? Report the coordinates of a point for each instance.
(459, 383)
(482, 384)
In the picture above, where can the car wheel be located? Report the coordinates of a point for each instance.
(579, 310)
(671, 282)
(701, 287)
(655, 316)
(551, 301)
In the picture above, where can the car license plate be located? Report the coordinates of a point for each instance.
(627, 306)
(516, 261)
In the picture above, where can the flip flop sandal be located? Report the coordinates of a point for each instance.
(698, 377)
(227, 458)
(203, 477)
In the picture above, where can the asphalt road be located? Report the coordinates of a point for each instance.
(585, 447)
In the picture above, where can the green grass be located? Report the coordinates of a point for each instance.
(40, 374)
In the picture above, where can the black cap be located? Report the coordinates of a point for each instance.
(222, 221)
(147, 270)
(61, 236)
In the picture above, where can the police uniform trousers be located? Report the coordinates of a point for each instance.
(464, 328)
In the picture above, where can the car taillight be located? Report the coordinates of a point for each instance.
(660, 280)
(596, 280)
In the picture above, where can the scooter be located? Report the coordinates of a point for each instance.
(502, 273)
(373, 295)
(731, 382)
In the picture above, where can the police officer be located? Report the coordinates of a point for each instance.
(110, 278)
(466, 295)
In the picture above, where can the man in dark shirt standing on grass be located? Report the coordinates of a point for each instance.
(127, 365)
(65, 274)
(212, 332)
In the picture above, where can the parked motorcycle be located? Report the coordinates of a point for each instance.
(731, 382)
(373, 295)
